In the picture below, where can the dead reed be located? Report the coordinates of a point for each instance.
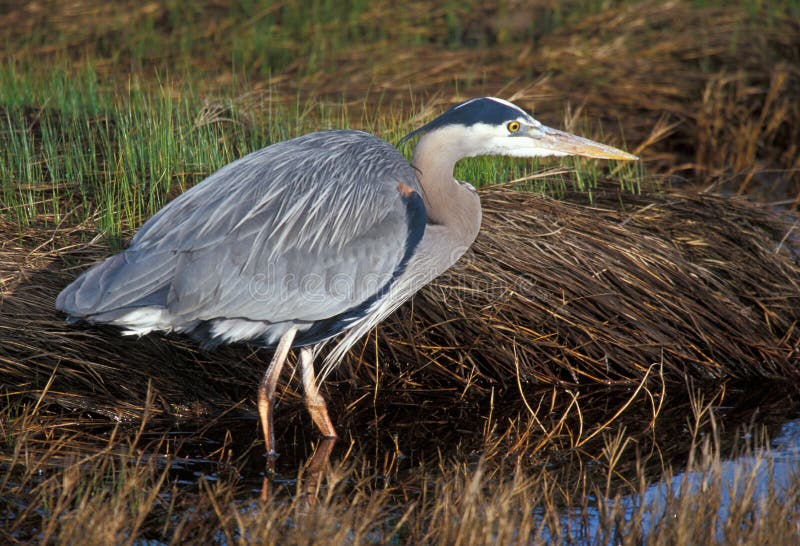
(128, 488)
(563, 293)
(552, 293)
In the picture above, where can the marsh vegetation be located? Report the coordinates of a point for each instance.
(614, 361)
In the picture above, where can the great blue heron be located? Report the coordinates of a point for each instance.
(309, 238)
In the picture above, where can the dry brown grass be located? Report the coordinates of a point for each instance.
(129, 485)
(552, 293)
(450, 441)
(699, 91)
(705, 286)
(709, 90)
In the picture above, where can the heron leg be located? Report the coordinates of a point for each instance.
(313, 472)
(314, 401)
(266, 389)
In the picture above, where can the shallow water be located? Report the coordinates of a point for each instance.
(768, 415)
(770, 470)
(756, 433)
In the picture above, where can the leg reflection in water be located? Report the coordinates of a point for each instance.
(310, 478)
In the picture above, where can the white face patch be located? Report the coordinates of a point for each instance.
(485, 139)
(494, 137)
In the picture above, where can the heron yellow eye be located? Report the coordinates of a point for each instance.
(513, 126)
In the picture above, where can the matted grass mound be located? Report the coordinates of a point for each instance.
(552, 293)
(705, 286)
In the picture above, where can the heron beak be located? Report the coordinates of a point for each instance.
(563, 143)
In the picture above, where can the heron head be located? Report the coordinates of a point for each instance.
(492, 126)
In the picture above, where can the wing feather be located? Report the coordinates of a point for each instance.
(299, 231)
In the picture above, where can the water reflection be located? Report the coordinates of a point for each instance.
(310, 477)
(694, 445)
(574, 478)
(763, 475)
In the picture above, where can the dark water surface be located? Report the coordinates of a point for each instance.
(406, 446)
(413, 442)
(770, 471)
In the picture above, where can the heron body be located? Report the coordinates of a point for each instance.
(253, 250)
(306, 239)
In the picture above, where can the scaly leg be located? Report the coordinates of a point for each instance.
(314, 401)
(266, 389)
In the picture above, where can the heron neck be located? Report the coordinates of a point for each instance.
(447, 203)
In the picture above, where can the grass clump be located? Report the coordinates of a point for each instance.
(72, 148)
(590, 295)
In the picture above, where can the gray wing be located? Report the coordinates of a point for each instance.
(299, 231)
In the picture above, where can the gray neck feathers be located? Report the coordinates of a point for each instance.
(448, 203)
